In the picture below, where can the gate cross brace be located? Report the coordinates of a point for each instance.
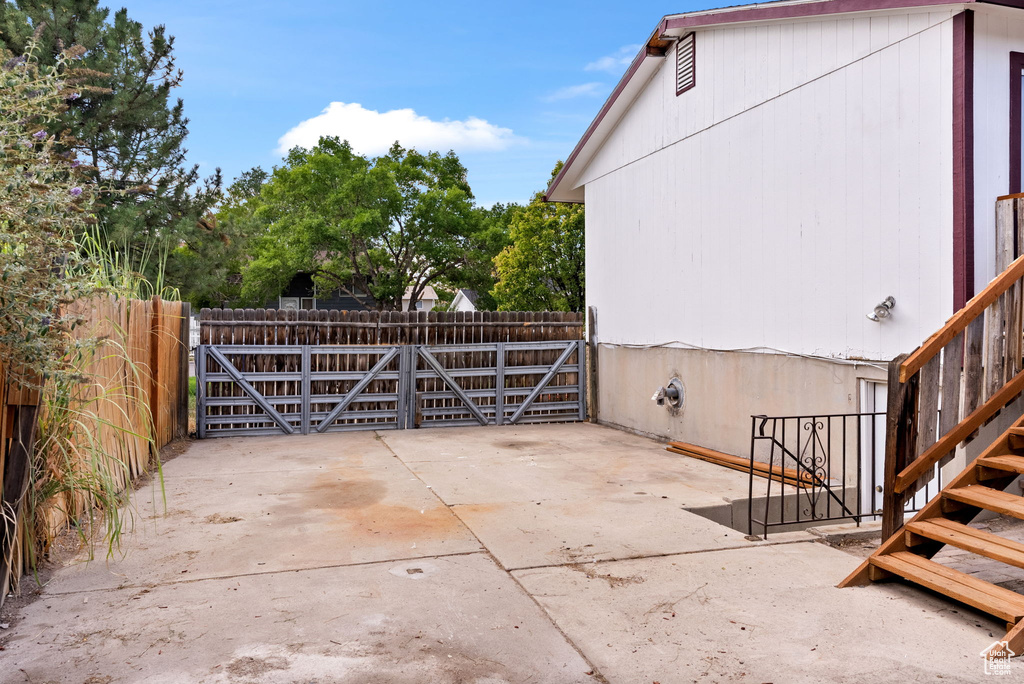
(357, 389)
(448, 380)
(240, 380)
(552, 372)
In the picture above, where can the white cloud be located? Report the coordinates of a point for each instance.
(616, 62)
(581, 90)
(372, 132)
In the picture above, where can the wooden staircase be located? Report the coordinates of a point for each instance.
(940, 395)
(944, 520)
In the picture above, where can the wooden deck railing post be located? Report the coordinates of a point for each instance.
(900, 443)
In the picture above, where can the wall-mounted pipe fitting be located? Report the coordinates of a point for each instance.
(671, 395)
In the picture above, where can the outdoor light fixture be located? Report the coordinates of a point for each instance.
(883, 309)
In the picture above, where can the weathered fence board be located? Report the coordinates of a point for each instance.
(135, 383)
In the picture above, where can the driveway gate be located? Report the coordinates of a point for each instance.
(302, 389)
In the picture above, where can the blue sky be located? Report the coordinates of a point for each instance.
(511, 87)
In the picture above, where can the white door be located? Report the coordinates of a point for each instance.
(874, 399)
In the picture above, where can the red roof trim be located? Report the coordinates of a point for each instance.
(752, 14)
(1016, 69)
(805, 9)
(634, 66)
(963, 158)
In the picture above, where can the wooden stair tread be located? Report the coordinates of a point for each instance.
(987, 498)
(970, 539)
(1008, 462)
(1005, 604)
(1015, 438)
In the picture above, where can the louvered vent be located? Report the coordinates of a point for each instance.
(686, 63)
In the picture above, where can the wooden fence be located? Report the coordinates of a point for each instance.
(298, 365)
(309, 327)
(135, 387)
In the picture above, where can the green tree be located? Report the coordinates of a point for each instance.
(211, 259)
(364, 226)
(127, 130)
(543, 269)
(491, 236)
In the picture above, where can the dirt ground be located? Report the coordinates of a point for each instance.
(559, 553)
(63, 551)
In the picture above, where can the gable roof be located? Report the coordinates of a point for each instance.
(470, 295)
(428, 293)
(674, 26)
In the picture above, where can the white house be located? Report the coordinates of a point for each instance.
(768, 174)
(426, 301)
(465, 300)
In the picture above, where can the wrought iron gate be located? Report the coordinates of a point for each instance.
(301, 389)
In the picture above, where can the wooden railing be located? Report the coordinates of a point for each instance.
(960, 378)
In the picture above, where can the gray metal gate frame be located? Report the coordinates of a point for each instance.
(510, 405)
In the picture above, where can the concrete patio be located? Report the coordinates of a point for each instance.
(558, 553)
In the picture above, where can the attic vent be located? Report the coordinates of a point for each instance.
(686, 64)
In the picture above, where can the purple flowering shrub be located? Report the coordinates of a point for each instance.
(44, 204)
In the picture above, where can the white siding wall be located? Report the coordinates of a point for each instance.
(997, 33)
(796, 186)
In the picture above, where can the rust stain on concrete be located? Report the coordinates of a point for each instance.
(357, 502)
(341, 489)
(477, 509)
(403, 523)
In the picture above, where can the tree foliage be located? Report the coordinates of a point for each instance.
(543, 269)
(209, 268)
(365, 226)
(128, 129)
(479, 274)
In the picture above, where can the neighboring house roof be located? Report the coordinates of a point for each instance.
(428, 293)
(672, 27)
(471, 295)
(464, 300)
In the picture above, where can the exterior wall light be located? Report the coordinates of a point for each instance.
(883, 309)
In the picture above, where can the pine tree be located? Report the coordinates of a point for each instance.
(131, 132)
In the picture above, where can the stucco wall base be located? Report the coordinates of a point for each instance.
(722, 391)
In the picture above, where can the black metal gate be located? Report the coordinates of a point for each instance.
(300, 389)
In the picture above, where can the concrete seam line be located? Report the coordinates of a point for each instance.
(750, 545)
(229, 475)
(263, 573)
(596, 673)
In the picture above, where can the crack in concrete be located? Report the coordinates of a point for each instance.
(668, 554)
(332, 566)
(595, 673)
